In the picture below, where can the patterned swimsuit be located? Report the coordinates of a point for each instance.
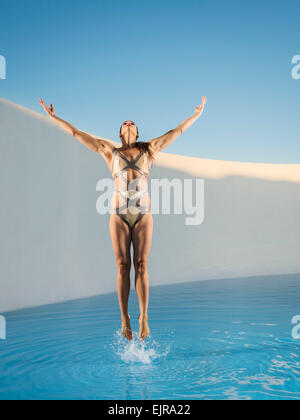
(131, 211)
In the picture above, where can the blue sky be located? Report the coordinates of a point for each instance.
(102, 62)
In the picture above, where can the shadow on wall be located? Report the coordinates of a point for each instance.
(55, 246)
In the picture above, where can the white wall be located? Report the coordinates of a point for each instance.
(55, 246)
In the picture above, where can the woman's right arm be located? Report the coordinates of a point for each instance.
(98, 145)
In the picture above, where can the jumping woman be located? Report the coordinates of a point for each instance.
(131, 218)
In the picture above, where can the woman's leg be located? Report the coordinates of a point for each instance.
(141, 239)
(121, 241)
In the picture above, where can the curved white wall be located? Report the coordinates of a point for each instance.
(55, 246)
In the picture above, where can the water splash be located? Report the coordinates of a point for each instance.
(138, 351)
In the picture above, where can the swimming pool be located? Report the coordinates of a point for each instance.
(219, 339)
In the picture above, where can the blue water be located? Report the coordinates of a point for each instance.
(225, 339)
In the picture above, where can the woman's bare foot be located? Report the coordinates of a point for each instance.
(126, 328)
(144, 327)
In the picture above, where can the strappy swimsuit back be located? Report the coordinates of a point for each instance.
(130, 212)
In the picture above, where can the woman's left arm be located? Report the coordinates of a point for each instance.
(166, 139)
(189, 121)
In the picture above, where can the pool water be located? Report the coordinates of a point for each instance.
(219, 339)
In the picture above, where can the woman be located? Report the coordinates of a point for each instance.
(131, 218)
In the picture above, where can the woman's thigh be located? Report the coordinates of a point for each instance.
(142, 238)
(121, 239)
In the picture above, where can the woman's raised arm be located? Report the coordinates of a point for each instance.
(97, 144)
(160, 143)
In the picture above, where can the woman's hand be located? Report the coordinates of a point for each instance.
(199, 109)
(48, 109)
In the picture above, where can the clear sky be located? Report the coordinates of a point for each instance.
(102, 62)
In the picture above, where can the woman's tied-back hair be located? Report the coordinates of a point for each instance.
(142, 146)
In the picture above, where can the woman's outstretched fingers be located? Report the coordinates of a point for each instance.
(49, 110)
(43, 104)
(199, 108)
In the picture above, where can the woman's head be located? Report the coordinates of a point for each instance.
(129, 132)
